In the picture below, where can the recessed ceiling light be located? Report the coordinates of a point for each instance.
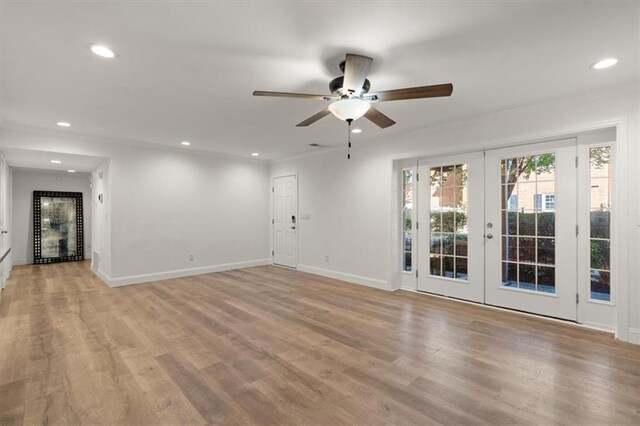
(63, 124)
(103, 51)
(56, 161)
(604, 63)
(71, 171)
(356, 131)
(255, 154)
(185, 143)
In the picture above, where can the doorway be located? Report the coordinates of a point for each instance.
(285, 221)
(530, 230)
(500, 227)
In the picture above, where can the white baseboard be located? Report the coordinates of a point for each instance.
(179, 273)
(599, 327)
(356, 279)
(104, 277)
(634, 335)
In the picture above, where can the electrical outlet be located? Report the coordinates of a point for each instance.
(191, 258)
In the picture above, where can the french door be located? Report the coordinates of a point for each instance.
(531, 227)
(450, 226)
(499, 227)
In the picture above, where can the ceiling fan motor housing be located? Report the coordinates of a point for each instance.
(337, 83)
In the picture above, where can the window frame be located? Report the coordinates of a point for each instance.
(403, 252)
(587, 235)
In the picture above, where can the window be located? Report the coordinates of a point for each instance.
(544, 201)
(448, 228)
(549, 202)
(528, 231)
(407, 219)
(600, 222)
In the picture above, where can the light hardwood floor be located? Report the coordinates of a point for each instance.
(272, 346)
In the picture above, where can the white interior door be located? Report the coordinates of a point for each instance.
(531, 226)
(450, 226)
(285, 210)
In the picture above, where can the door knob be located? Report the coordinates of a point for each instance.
(489, 225)
(489, 236)
(293, 227)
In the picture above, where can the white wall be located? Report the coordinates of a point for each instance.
(351, 201)
(349, 207)
(162, 205)
(5, 221)
(25, 181)
(101, 223)
(168, 205)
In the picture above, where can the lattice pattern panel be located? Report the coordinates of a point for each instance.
(37, 227)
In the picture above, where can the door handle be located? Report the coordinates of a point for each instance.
(489, 236)
(293, 227)
(5, 232)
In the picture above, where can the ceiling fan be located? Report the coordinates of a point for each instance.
(351, 99)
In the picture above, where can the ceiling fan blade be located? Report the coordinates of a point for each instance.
(356, 68)
(435, 91)
(290, 95)
(314, 118)
(378, 118)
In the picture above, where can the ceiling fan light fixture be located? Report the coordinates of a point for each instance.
(349, 109)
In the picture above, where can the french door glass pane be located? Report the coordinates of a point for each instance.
(449, 233)
(600, 221)
(528, 222)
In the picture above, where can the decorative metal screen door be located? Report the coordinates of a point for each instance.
(530, 228)
(450, 226)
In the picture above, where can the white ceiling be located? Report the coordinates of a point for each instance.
(31, 159)
(187, 70)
